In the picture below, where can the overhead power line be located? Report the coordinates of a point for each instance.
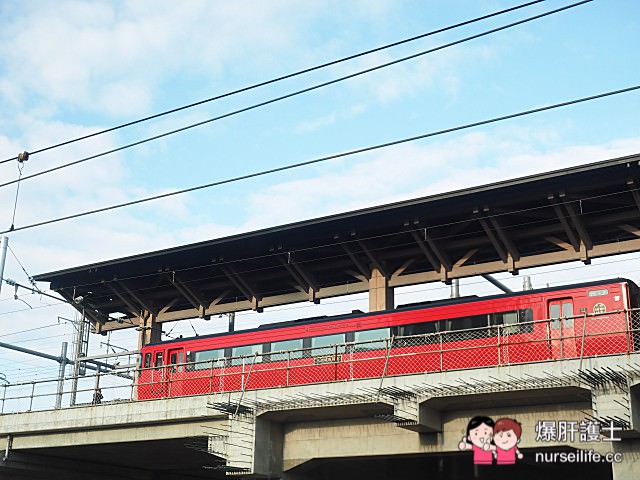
(295, 93)
(329, 157)
(278, 79)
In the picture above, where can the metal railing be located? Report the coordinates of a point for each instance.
(577, 337)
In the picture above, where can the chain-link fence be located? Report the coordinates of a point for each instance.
(586, 335)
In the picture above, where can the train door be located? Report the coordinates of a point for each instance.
(175, 372)
(562, 335)
(157, 380)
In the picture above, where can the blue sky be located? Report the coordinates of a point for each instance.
(69, 68)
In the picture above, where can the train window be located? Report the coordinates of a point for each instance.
(417, 329)
(147, 360)
(279, 349)
(205, 358)
(567, 311)
(525, 319)
(422, 330)
(375, 339)
(554, 315)
(244, 354)
(465, 323)
(510, 320)
(175, 360)
(526, 316)
(517, 321)
(327, 340)
(158, 362)
(328, 344)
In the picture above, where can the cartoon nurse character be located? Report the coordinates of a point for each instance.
(507, 432)
(478, 439)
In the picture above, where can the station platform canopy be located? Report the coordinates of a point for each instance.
(577, 213)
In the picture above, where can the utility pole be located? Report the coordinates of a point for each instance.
(232, 321)
(63, 366)
(4, 242)
(80, 349)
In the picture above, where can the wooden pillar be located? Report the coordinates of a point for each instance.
(380, 294)
(150, 330)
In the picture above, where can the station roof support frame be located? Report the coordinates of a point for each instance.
(577, 213)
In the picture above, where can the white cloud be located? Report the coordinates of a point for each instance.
(315, 124)
(411, 171)
(112, 57)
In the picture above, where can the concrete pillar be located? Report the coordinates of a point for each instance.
(150, 330)
(627, 468)
(380, 294)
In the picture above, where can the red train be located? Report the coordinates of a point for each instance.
(587, 319)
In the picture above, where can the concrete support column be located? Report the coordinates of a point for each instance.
(150, 330)
(252, 445)
(628, 468)
(380, 294)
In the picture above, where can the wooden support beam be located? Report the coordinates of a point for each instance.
(185, 291)
(356, 275)
(133, 309)
(136, 297)
(294, 274)
(573, 240)
(306, 276)
(442, 256)
(465, 258)
(166, 308)
(363, 270)
(504, 238)
(579, 226)
(401, 269)
(313, 295)
(560, 243)
(437, 266)
(631, 229)
(231, 275)
(95, 320)
(633, 186)
(301, 277)
(218, 299)
(494, 241)
(374, 261)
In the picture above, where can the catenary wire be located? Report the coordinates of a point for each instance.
(290, 95)
(328, 157)
(278, 79)
(29, 277)
(30, 330)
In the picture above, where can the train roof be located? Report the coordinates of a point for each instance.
(408, 307)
